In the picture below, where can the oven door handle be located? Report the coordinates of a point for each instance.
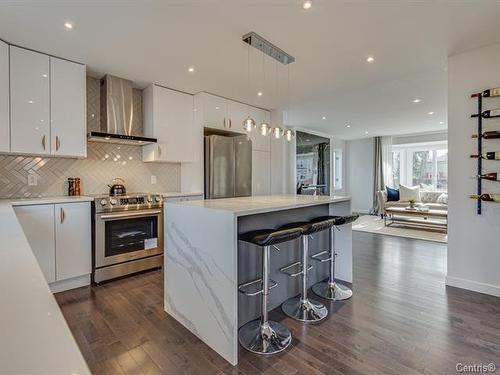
(130, 215)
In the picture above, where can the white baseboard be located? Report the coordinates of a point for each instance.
(75, 282)
(475, 286)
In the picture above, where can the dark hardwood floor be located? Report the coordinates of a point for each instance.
(401, 320)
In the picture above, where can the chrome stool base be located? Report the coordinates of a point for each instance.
(264, 338)
(332, 291)
(307, 310)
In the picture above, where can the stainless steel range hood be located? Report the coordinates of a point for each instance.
(117, 114)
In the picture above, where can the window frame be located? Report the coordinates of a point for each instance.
(406, 152)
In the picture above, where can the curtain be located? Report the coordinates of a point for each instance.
(387, 161)
(378, 174)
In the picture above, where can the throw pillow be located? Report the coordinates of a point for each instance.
(409, 192)
(392, 194)
(443, 199)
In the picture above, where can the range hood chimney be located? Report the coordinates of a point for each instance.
(117, 114)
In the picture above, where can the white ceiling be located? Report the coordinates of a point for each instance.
(156, 41)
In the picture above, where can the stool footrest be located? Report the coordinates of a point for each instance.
(248, 288)
(294, 269)
(324, 256)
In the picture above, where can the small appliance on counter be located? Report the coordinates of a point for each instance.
(117, 188)
(127, 234)
(228, 166)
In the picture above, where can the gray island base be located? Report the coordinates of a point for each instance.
(205, 262)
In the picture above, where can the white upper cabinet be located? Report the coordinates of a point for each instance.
(4, 98)
(73, 240)
(168, 116)
(29, 95)
(237, 112)
(259, 141)
(261, 172)
(215, 111)
(67, 108)
(38, 226)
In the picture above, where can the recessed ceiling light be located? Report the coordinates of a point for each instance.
(217, 108)
(430, 113)
(370, 59)
(307, 4)
(417, 100)
(259, 93)
(324, 117)
(68, 25)
(348, 126)
(191, 70)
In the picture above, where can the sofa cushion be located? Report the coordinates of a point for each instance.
(443, 199)
(409, 192)
(392, 194)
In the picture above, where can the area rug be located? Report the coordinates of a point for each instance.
(374, 224)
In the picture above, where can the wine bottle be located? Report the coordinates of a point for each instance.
(494, 155)
(490, 92)
(487, 197)
(488, 135)
(493, 176)
(489, 113)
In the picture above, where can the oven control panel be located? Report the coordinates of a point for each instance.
(128, 202)
(132, 200)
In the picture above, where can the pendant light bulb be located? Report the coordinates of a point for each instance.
(264, 128)
(249, 124)
(289, 135)
(277, 132)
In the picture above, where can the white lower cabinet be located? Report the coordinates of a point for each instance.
(38, 225)
(60, 237)
(261, 173)
(183, 198)
(73, 240)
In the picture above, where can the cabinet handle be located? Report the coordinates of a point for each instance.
(159, 151)
(230, 124)
(62, 215)
(58, 143)
(43, 142)
(224, 123)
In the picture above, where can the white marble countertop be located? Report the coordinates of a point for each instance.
(260, 204)
(45, 200)
(35, 338)
(174, 194)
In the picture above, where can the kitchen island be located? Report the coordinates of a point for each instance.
(205, 262)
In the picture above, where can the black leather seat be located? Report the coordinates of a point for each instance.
(348, 219)
(268, 237)
(317, 224)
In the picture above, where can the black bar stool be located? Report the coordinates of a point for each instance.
(331, 289)
(302, 308)
(264, 336)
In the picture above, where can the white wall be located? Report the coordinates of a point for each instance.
(359, 172)
(473, 240)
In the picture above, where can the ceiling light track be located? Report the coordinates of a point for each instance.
(268, 48)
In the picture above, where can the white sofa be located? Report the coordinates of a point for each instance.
(432, 199)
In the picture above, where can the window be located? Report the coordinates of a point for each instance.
(425, 165)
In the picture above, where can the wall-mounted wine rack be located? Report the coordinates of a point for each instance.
(479, 149)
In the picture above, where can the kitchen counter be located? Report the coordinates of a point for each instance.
(35, 338)
(45, 200)
(175, 194)
(205, 262)
(260, 204)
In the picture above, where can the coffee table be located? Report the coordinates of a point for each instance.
(435, 219)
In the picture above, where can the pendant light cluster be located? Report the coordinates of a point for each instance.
(267, 48)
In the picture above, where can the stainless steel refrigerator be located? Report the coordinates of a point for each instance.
(228, 166)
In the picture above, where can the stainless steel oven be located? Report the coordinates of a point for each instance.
(128, 235)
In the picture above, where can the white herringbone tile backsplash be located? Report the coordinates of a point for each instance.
(104, 162)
